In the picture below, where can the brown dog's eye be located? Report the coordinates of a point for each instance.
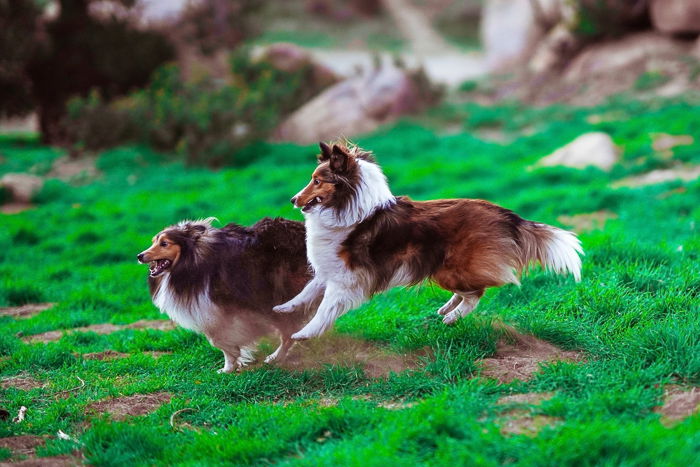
(316, 181)
(163, 243)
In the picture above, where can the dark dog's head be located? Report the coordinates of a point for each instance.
(171, 244)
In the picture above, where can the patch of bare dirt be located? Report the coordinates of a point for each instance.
(519, 356)
(679, 172)
(522, 422)
(529, 398)
(396, 405)
(53, 461)
(157, 324)
(157, 354)
(679, 403)
(76, 170)
(15, 207)
(22, 382)
(334, 349)
(587, 222)
(23, 445)
(131, 406)
(520, 419)
(108, 355)
(663, 142)
(25, 311)
(105, 328)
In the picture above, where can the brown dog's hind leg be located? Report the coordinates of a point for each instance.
(469, 301)
(450, 304)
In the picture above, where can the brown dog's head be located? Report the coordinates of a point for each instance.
(334, 181)
(172, 243)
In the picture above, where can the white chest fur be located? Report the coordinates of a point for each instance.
(195, 315)
(323, 245)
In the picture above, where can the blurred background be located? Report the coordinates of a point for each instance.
(205, 78)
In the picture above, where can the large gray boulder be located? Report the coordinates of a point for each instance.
(676, 16)
(354, 106)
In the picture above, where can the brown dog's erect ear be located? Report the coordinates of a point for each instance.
(339, 160)
(325, 152)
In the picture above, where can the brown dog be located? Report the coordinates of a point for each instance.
(362, 240)
(224, 282)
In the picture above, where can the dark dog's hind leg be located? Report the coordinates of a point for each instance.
(286, 343)
(231, 359)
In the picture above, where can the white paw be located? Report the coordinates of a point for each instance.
(450, 318)
(225, 370)
(284, 308)
(443, 310)
(301, 336)
(271, 358)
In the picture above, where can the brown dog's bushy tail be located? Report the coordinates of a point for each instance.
(555, 249)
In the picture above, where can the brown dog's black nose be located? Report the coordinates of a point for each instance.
(140, 257)
(294, 200)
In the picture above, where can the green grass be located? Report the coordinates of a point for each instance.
(635, 314)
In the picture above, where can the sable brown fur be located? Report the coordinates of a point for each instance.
(461, 244)
(224, 282)
(361, 240)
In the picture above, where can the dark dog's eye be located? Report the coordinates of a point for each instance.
(163, 243)
(316, 181)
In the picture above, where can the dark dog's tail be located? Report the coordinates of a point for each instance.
(555, 249)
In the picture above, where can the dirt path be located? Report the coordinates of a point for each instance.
(416, 29)
(444, 63)
(105, 328)
(519, 356)
(450, 68)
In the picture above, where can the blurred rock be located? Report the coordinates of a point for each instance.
(355, 106)
(695, 51)
(21, 186)
(557, 47)
(663, 141)
(506, 50)
(676, 16)
(291, 58)
(510, 29)
(596, 149)
(607, 57)
(679, 172)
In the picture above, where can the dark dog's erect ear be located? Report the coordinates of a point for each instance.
(325, 152)
(196, 230)
(339, 160)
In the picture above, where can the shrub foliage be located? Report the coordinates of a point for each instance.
(206, 119)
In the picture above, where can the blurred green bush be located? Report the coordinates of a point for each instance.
(205, 120)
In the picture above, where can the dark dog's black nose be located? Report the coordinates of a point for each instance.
(140, 257)
(294, 200)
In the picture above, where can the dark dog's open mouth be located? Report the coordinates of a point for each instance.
(313, 202)
(157, 267)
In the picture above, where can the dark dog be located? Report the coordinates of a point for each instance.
(224, 282)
